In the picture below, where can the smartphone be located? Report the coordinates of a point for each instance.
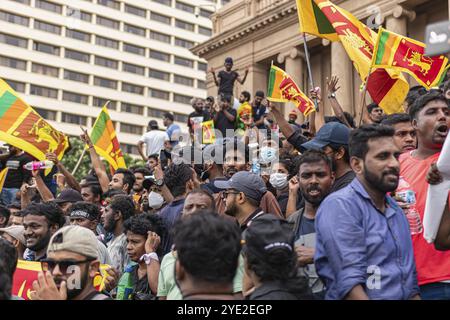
(437, 38)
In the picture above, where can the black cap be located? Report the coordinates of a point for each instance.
(229, 60)
(267, 233)
(252, 185)
(153, 124)
(69, 195)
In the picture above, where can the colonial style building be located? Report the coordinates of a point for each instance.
(257, 32)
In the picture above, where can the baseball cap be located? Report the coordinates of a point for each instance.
(16, 232)
(331, 132)
(249, 183)
(68, 195)
(267, 233)
(153, 124)
(229, 60)
(74, 239)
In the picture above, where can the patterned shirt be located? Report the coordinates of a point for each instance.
(117, 249)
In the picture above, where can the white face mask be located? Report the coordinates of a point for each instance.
(278, 180)
(155, 200)
(268, 154)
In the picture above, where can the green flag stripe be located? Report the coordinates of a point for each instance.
(99, 128)
(323, 24)
(6, 101)
(381, 47)
(272, 78)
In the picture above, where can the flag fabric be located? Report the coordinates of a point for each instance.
(25, 129)
(27, 272)
(104, 139)
(208, 132)
(312, 20)
(388, 88)
(283, 89)
(395, 51)
(3, 174)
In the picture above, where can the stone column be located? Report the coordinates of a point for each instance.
(256, 79)
(398, 21)
(294, 66)
(341, 66)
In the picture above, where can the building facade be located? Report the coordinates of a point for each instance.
(68, 57)
(258, 32)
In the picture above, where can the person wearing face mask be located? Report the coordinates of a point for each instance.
(279, 179)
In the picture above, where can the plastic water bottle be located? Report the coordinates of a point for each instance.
(38, 165)
(407, 195)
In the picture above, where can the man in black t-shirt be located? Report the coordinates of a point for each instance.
(224, 116)
(196, 118)
(14, 160)
(227, 78)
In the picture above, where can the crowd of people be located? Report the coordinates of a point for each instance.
(272, 210)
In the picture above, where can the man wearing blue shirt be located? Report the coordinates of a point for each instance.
(173, 130)
(364, 249)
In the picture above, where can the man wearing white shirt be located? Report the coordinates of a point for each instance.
(154, 140)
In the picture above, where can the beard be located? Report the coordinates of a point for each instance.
(314, 200)
(379, 182)
(110, 224)
(231, 210)
(42, 243)
(73, 292)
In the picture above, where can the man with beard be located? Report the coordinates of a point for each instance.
(138, 187)
(431, 119)
(405, 135)
(242, 196)
(315, 178)
(123, 179)
(197, 117)
(41, 221)
(376, 114)
(71, 265)
(212, 167)
(120, 209)
(364, 248)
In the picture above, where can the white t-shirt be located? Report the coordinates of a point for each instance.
(155, 141)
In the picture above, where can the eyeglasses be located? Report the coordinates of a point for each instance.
(49, 265)
(226, 193)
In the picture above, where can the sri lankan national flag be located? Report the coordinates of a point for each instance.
(388, 88)
(105, 141)
(405, 54)
(312, 20)
(24, 128)
(208, 135)
(283, 89)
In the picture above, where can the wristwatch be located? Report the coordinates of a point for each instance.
(159, 182)
(148, 257)
(332, 95)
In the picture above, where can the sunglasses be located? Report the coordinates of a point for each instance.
(49, 265)
(226, 193)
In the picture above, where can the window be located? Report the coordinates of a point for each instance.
(105, 62)
(86, 16)
(78, 35)
(159, 55)
(134, 30)
(13, 63)
(180, 117)
(129, 148)
(164, 2)
(75, 97)
(105, 42)
(16, 85)
(13, 40)
(159, 94)
(204, 31)
(73, 118)
(132, 88)
(27, 2)
(159, 75)
(131, 48)
(184, 25)
(77, 14)
(100, 102)
(49, 6)
(135, 10)
(185, 7)
(205, 13)
(43, 91)
(181, 99)
(201, 84)
(47, 27)
(156, 113)
(184, 43)
(159, 36)
(132, 108)
(45, 70)
(160, 18)
(13, 18)
(109, 23)
(109, 3)
(183, 80)
(106, 83)
(76, 76)
(77, 55)
(46, 48)
(202, 66)
(46, 114)
(132, 68)
(130, 128)
(184, 62)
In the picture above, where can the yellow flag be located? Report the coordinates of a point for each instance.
(3, 174)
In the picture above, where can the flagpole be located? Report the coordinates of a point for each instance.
(79, 161)
(363, 96)
(311, 82)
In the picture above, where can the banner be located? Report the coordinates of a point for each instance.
(208, 135)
